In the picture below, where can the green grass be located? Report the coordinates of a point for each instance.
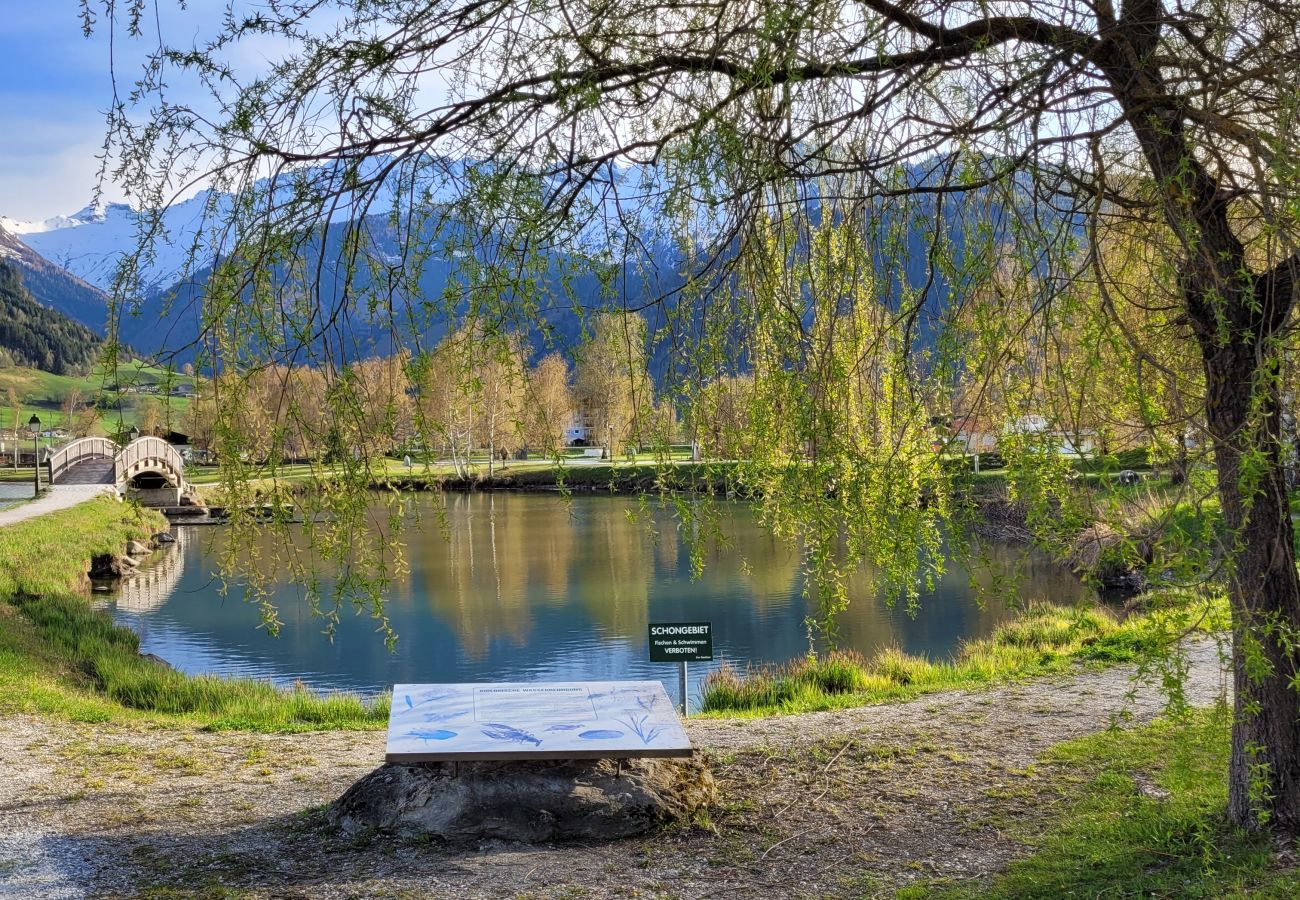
(50, 555)
(1045, 639)
(60, 657)
(1144, 815)
(44, 393)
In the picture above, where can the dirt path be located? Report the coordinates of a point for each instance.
(830, 804)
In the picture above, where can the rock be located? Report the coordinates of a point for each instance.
(164, 537)
(533, 802)
(138, 549)
(107, 565)
(156, 660)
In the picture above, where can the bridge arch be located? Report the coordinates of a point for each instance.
(83, 461)
(146, 459)
(146, 463)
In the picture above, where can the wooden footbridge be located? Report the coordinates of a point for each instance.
(148, 467)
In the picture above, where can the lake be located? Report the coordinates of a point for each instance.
(12, 493)
(518, 587)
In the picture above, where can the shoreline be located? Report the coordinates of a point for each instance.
(860, 802)
(1037, 641)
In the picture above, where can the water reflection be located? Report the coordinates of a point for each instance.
(528, 586)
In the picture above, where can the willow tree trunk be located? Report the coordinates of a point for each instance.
(1237, 317)
(1243, 414)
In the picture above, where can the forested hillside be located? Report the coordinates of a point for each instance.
(39, 337)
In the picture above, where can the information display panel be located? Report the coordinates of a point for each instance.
(533, 720)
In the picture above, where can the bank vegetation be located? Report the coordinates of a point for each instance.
(59, 656)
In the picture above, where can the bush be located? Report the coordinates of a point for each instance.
(1136, 458)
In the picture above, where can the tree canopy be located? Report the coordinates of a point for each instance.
(785, 151)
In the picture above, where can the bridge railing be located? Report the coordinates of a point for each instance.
(81, 449)
(149, 449)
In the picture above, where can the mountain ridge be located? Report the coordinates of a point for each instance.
(53, 286)
(32, 334)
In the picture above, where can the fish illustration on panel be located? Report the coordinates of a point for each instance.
(600, 734)
(499, 732)
(431, 734)
(430, 697)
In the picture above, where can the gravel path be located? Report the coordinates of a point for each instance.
(848, 803)
(54, 499)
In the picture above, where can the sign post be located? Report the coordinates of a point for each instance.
(681, 642)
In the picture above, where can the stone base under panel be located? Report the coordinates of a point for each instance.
(527, 801)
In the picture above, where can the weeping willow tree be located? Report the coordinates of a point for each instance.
(815, 194)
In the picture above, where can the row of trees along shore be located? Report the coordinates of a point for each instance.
(474, 391)
(1118, 173)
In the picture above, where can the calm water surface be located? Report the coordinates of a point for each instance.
(525, 587)
(13, 493)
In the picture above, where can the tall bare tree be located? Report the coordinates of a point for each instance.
(549, 404)
(611, 381)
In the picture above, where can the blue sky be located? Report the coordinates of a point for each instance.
(55, 87)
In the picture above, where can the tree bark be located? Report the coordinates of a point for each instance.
(1264, 590)
(1236, 317)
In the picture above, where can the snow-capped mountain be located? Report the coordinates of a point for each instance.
(92, 242)
(52, 285)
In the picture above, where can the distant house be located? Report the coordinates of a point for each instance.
(973, 434)
(974, 441)
(183, 390)
(579, 432)
(1078, 443)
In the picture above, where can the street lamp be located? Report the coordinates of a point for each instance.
(34, 426)
(133, 435)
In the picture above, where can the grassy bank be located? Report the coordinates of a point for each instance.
(1142, 814)
(1044, 640)
(45, 393)
(618, 477)
(60, 657)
